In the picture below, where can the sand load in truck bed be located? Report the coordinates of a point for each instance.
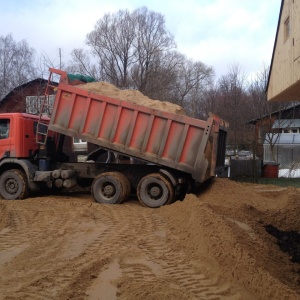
(134, 96)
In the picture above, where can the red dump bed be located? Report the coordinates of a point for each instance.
(175, 141)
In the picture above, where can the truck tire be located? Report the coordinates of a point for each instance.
(154, 190)
(127, 186)
(13, 185)
(111, 188)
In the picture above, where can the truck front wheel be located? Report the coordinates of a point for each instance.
(13, 185)
(111, 188)
(154, 190)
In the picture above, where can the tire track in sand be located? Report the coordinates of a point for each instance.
(151, 259)
(103, 238)
(73, 243)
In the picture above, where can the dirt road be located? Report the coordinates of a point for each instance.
(211, 246)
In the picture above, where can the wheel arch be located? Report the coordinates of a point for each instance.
(170, 176)
(183, 183)
(23, 165)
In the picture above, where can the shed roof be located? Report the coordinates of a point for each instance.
(20, 87)
(288, 108)
(284, 139)
(286, 123)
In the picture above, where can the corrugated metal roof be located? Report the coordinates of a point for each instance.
(291, 107)
(289, 123)
(20, 87)
(283, 139)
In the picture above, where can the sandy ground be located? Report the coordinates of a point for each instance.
(211, 246)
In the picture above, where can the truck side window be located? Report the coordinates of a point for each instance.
(4, 128)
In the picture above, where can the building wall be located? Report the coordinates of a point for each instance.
(284, 80)
(265, 125)
(286, 155)
(16, 100)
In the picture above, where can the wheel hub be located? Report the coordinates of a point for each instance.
(155, 191)
(109, 190)
(11, 186)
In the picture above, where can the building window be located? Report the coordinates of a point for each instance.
(290, 130)
(287, 28)
(34, 104)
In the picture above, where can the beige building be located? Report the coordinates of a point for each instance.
(284, 76)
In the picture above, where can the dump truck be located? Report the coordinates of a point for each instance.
(156, 155)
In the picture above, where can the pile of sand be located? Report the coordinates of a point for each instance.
(209, 246)
(226, 225)
(134, 96)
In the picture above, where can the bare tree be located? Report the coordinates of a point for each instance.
(151, 40)
(234, 106)
(44, 62)
(163, 75)
(112, 44)
(135, 50)
(193, 78)
(206, 101)
(127, 49)
(83, 64)
(16, 63)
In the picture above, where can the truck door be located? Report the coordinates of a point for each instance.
(28, 137)
(5, 137)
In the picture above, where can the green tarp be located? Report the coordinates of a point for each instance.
(83, 78)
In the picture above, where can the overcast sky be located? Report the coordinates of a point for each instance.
(218, 33)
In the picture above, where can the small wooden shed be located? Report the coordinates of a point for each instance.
(15, 100)
(284, 76)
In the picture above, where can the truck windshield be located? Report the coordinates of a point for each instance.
(4, 128)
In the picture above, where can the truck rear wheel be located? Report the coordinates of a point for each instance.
(154, 190)
(13, 185)
(111, 188)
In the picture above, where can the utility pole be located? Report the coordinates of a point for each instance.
(59, 50)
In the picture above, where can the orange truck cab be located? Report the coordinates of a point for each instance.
(18, 135)
(19, 154)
